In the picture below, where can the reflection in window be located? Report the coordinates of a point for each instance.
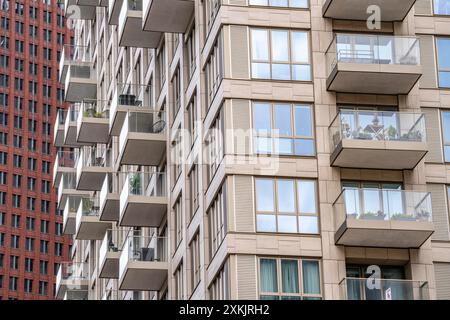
(442, 7)
(280, 3)
(286, 205)
(446, 134)
(280, 55)
(443, 48)
(283, 129)
(289, 279)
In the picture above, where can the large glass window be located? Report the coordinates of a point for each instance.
(280, 54)
(446, 134)
(284, 129)
(280, 3)
(289, 279)
(286, 205)
(442, 7)
(443, 48)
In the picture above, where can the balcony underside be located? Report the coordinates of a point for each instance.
(143, 211)
(58, 139)
(93, 130)
(144, 276)
(373, 78)
(110, 266)
(91, 178)
(110, 210)
(79, 89)
(80, 286)
(357, 9)
(91, 228)
(70, 138)
(114, 11)
(368, 154)
(69, 224)
(145, 149)
(168, 15)
(383, 233)
(132, 35)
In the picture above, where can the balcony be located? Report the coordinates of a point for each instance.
(357, 9)
(130, 27)
(142, 140)
(110, 255)
(114, 7)
(109, 198)
(93, 165)
(377, 139)
(78, 11)
(58, 130)
(70, 126)
(373, 64)
(92, 122)
(70, 215)
(143, 263)
(167, 15)
(72, 279)
(88, 224)
(68, 189)
(73, 55)
(64, 163)
(382, 218)
(127, 97)
(93, 3)
(81, 83)
(383, 289)
(143, 199)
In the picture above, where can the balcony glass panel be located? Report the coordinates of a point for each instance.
(377, 126)
(383, 289)
(373, 49)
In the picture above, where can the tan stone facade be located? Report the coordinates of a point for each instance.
(180, 190)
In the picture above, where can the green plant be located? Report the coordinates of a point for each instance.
(374, 215)
(391, 132)
(135, 183)
(402, 216)
(87, 205)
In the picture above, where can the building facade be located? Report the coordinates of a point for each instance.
(256, 149)
(32, 244)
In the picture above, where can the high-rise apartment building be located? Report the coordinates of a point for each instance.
(32, 244)
(256, 149)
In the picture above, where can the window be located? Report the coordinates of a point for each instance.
(14, 262)
(286, 205)
(44, 226)
(13, 283)
(29, 265)
(195, 261)
(44, 247)
(217, 215)
(2, 257)
(219, 286)
(283, 129)
(176, 92)
(43, 267)
(215, 146)
(15, 221)
(280, 3)
(192, 120)
(28, 285)
(443, 47)
(178, 213)
(214, 70)
(446, 134)
(179, 282)
(191, 52)
(58, 249)
(442, 7)
(289, 279)
(15, 241)
(29, 244)
(43, 288)
(2, 218)
(193, 191)
(280, 54)
(30, 224)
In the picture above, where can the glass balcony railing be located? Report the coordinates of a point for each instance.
(144, 184)
(377, 126)
(130, 94)
(68, 181)
(67, 158)
(111, 242)
(143, 248)
(72, 272)
(383, 289)
(76, 53)
(382, 204)
(98, 109)
(89, 207)
(81, 71)
(373, 49)
(94, 156)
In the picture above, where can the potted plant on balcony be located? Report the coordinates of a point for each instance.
(403, 217)
(423, 215)
(135, 183)
(87, 206)
(414, 135)
(368, 215)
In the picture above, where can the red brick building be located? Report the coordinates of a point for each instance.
(31, 241)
